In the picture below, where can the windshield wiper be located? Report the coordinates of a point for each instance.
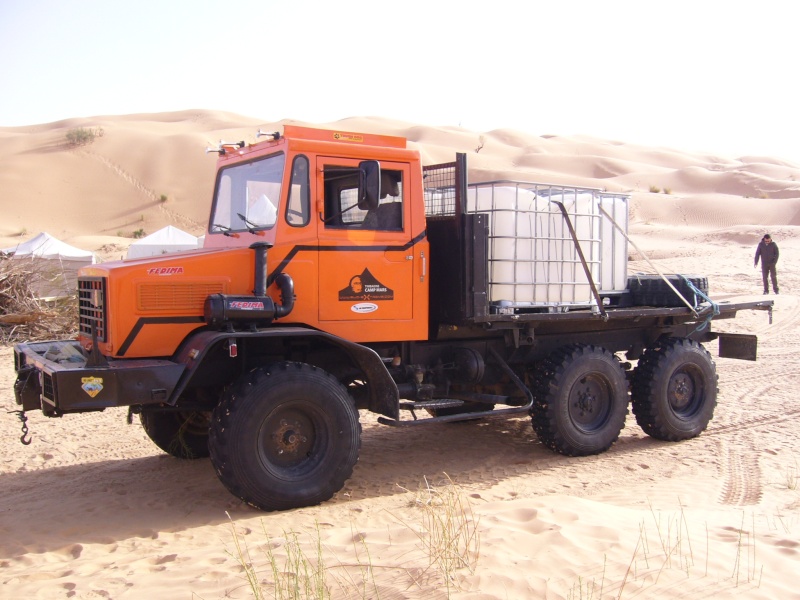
(251, 226)
(225, 230)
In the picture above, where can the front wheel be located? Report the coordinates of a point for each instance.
(674, 390)
(580, 400)
(285, 436)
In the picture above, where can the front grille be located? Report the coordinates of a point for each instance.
(92, 306)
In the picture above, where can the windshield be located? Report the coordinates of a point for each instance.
(248, 195)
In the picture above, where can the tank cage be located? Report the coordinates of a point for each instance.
(440, 184)
(532, 256)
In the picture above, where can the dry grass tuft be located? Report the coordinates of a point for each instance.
(449, 533)
(298, 567)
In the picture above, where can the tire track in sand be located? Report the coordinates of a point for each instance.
(752, 423)
(786, 317)
(739, 455)
(740, 468)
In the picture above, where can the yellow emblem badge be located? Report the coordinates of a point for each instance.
(92, 385)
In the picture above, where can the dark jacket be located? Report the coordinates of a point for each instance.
(768, 254)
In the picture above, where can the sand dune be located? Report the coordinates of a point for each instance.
(93, 509)
(114, 186)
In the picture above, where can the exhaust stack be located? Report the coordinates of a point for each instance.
(223, 310)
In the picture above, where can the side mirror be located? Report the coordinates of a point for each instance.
(369, 184)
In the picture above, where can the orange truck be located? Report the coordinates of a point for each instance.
(339, 274)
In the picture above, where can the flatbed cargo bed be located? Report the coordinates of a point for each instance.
(726, 310)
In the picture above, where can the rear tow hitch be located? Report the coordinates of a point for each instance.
(24, 438)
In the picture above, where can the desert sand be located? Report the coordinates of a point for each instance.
(92, 509)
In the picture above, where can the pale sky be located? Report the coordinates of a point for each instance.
(696, 75)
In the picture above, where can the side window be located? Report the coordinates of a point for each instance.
(389, 214)
(341, 201)
(352, 214)
(298, 208)
(341, 197)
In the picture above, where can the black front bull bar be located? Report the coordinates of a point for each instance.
(55, 377)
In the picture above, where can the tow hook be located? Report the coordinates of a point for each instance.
(24, 438)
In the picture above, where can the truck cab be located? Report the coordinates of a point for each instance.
(359, 263)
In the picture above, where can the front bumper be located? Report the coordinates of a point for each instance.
(55, 377)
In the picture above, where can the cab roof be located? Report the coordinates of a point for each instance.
(336, 135)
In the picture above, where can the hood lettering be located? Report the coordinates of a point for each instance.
(162, 271)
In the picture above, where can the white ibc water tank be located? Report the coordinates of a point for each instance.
(512, 227)
(532, 258)
(613, 243)
(566, 281)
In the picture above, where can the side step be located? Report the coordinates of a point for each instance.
(492, 413)
(502, 413)
(423, 404)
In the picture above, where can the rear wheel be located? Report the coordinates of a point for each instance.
(580, 400)
(183, 434)
(285, 436)
(674, 390)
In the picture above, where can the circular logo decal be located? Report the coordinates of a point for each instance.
(364, 307)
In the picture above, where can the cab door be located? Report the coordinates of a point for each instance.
(366, 261)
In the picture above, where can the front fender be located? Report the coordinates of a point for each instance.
(384, 397)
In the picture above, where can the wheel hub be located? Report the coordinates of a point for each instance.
(590, 404)
(288, 437)
(681, 391)
(585, 403)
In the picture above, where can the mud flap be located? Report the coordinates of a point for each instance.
(738, 345)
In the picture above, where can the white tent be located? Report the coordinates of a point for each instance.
(166, 240)
(54, 264)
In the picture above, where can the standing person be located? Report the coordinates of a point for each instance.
(767, 251)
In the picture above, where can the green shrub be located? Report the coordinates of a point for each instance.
(138, 234)
(82, 136)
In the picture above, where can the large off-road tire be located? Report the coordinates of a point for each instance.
(285, 436)
(674, 389)
(183, 434)
(652, 290)
(580, 400)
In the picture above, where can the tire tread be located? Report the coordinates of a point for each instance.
(225, 414)
(646, 381)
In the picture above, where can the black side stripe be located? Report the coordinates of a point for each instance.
(154, 321)
(297, 249)
(278, 270)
